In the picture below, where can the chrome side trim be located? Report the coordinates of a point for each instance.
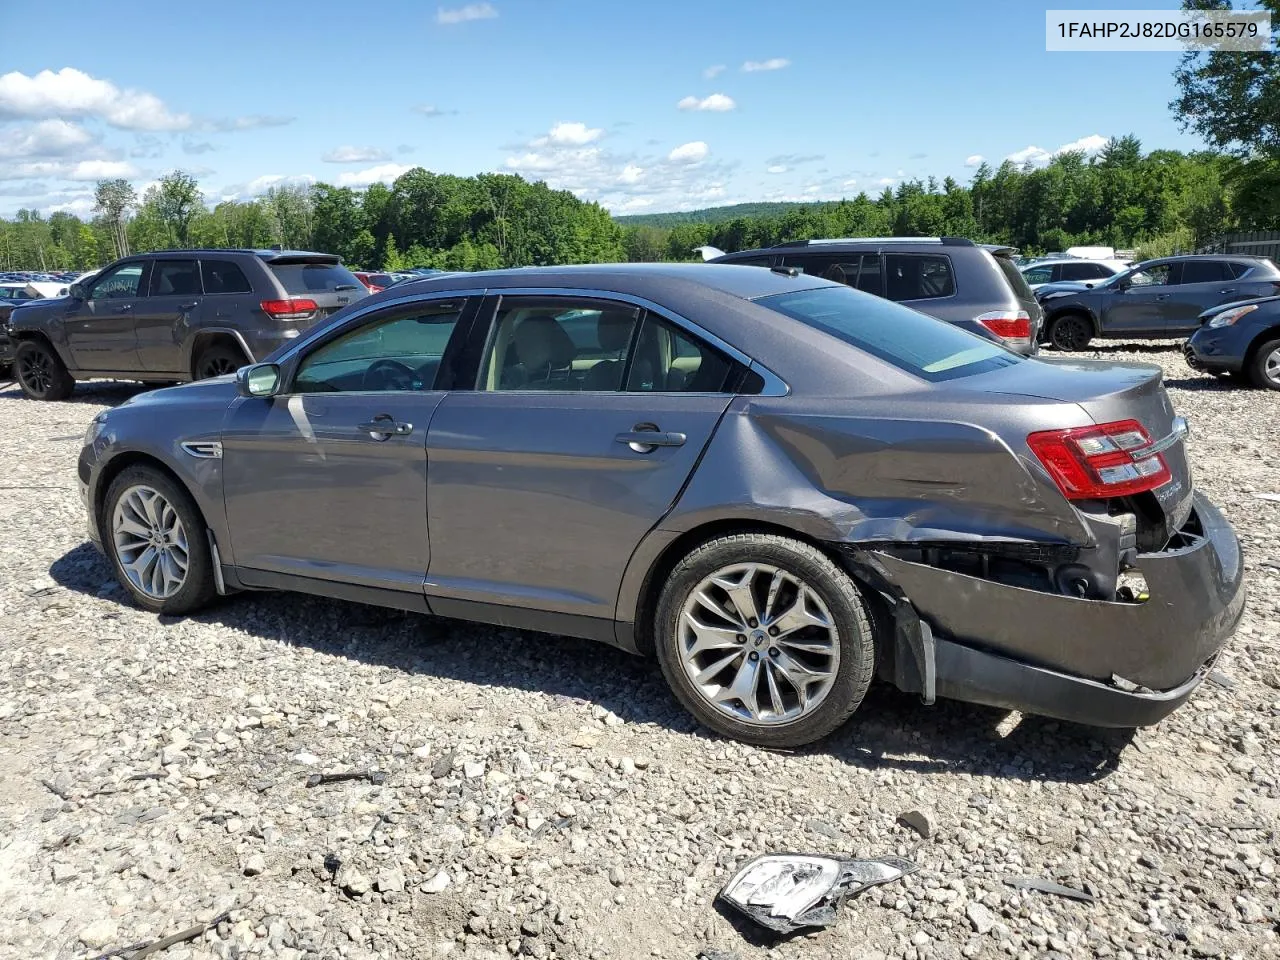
(203, 449)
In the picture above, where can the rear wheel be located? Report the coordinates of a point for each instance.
(1071, 332)
(217, 360)
(1264, 368)
(41, 373)
(764, 639)
(156, 539)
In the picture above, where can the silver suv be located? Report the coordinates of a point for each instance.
(175, 315)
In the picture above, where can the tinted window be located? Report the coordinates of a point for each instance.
(1204, 271)
(314, 277)
(401, 352)
(1084, 271)
(856, 270)
(223, 276)
(1237, 269)
(1153, 276)
(1013, 276)
(119, 283)
(558, 344)
(1041, 274)
(175, 278)
(670, 360)
(915, 277)
(919, 344)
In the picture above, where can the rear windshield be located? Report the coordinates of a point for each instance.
(314, 277)
(931, 349)
(1016, 280)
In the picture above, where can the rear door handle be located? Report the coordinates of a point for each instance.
(1161, 296)
(384, 425)
(646, 441)
(189, 306)
(1228, 290)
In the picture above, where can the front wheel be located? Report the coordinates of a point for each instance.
(155, 537)
(218, 360)
(1264, 369)
(764, 639)
(41, 373)
(1071, 332)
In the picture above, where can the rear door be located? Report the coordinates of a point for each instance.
(164, 318)
(1201, 284)
(320, 278)
(544, 479)
(100, 328)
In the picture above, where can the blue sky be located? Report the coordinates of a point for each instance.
(645, 107)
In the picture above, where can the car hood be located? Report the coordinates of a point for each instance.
(1213, 311)
(1064, 288)
(214, 389)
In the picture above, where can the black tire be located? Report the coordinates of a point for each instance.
(1264, 368)
(1071, 332)
(217, 360)
(40, 372)
(199, 586)
(839, 594)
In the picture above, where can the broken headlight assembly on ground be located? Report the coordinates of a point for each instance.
(793, 891)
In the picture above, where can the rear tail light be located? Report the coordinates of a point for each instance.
(1013, 328)
(294, 309)
(1093, 463)
(374, 288)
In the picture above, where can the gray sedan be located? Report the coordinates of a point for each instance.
(777, 485)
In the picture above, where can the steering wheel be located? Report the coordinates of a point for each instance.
(388, 375)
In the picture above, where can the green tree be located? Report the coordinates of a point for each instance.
(113, 200)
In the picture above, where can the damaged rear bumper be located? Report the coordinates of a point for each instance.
(1057, 655)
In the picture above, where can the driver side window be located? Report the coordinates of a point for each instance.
(1153, 276)
(122, 282)
(396, 353)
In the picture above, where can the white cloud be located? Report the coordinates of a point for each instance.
(48, 138)
(637, 203)
(73, 93)
(887, 181)
(472, 11)
(712, 72)
(755, 66)
(569, 134)
(974, 160)
(777, 168)
(348, 154)
(1038, 156)
(849, 183)
(252, 122)
(81, 207)
(694, 152)
(382, 173)
(432, 111)
(101, 170)
(716, 102)
(631, 173)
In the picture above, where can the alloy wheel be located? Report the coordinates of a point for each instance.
(1071, 333)
(1271, 366)
(150, 542)
(35, 370)
(758, 644)
(216, 366)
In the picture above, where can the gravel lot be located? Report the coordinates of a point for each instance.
(547, 796)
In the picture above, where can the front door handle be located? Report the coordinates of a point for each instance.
(1228, 290)
(125, 308)
(1161, 296)
(646, 441)
(189, 306)
(384, 425)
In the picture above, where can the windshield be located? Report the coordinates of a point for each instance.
(919, 344)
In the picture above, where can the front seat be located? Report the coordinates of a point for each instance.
(545, 351)
(614, 333)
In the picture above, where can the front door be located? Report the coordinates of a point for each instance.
(1141, 304)
(587, 420)
(100, 329)
(163, 320)
(328, 480)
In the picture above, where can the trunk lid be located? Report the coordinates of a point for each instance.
(1109, 391)
(318, 277)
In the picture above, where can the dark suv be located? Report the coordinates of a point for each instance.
(1155, 299)
(977, 287)
(175, 315)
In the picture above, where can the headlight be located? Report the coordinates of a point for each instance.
(95, 429)
(1227, 317)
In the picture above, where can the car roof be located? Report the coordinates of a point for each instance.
(224, 251)
(845, 243)
(747, 283)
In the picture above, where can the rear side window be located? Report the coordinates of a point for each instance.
(1084, 271)
(919, 344)
(1038, 274)
(918, 277)
(175, 278)
(1013, 276)
(313, 277)
(861, 271)
(669, 360)
(1238, 270)
(1204, 271)
(223, 276)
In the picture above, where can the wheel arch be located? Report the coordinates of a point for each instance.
(645, 605)
(39, 336)
(1077, 309)
(206, 338)
(1266, 335)
(136, 458)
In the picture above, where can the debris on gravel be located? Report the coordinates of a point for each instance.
(547, 797)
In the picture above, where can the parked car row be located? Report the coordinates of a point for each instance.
(793, 485)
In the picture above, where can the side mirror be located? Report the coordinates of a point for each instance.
(258, 380)
(77, 291)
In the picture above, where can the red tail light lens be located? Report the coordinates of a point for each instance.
(1015, 328)
(295, 309)
(1093, 463)
(374, 288)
